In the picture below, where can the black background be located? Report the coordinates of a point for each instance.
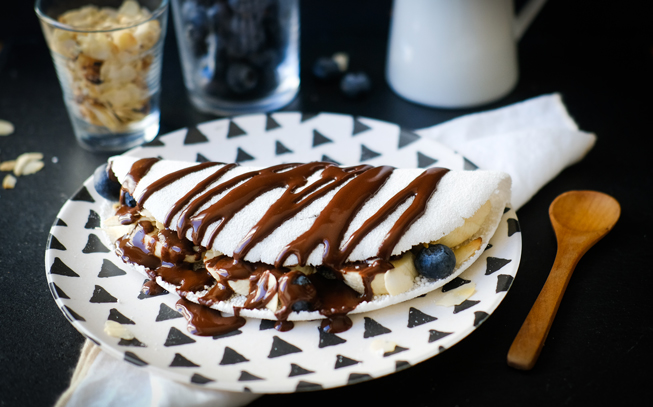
(598, 55)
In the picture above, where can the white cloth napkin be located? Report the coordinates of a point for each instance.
(532, 141)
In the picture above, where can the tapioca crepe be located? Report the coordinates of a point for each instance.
(301, 241)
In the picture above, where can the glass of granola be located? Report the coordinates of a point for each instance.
(108, 55)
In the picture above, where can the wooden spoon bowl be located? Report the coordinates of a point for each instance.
(579, 219)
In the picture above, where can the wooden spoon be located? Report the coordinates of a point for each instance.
(580, 219)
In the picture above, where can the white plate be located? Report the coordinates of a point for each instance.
(91, 285)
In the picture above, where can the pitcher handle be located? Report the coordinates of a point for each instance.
(526, 16)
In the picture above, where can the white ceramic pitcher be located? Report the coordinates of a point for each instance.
(455, 53)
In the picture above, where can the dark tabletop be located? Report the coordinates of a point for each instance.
(597, 55)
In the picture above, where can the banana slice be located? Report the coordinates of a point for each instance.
(466, 251)
(401, 278)
(469, 228)
(394, 281)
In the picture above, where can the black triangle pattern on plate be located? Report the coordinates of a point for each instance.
(343, 361)
(424, 161)
(504, 281)
(58, 267)
(55, 244)
(266, 324)
(199, 379)
(83, 195)
(464, 305)
(60, 222)
(373, 328)
(441, 349)
(468, 165)
(176, 338)
(488, 247)
(234, 130)
(100, 295)
(242, 155)
(72, 314)
(58, 292)
(93, 220)
(506, 210)
(307, 386)
(435, 335)
(154, 143)
(110, 270)
(479, 317)
(194, 136)
(329, 159)
(281, 149)
(166, 313)
(94, 245)
(398, 349)
(231, 357)
(307, 116)
(401, 365)
(296, 370)
(115, 315)
(513, 226)
(417, 317)
(246, 376)
(367, 153)
(319, 139)
(132, 342)
(132, 358)
(180, 361)
(271, 124)
(327, 339)
(281, 348)
(358, 377)
(406, 137)
(200, 158)
(228, 334)
(455, 283)
(359, 127)
(495, 264)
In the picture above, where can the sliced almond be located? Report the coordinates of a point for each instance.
(239, 286)
(32, 166)
(401, 278)
(9, 182)
(113, 328)
(6, 128)
(458, 295)
(23, 160)
(7, 165)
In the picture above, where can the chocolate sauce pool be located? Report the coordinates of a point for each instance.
(323, 291)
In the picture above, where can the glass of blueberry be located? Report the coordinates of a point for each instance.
(238, 56)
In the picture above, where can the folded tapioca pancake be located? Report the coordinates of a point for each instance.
(363, 226)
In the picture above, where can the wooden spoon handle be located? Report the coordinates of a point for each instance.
(528, 343)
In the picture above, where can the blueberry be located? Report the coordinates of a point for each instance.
(197, 26)
(301, 306)
(106, 186)
(326, 68)
(129, 200)
(355, 85)
(301, 280)
(241, 77)
(436, 261)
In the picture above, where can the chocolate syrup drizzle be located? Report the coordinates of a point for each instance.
(330, 296)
